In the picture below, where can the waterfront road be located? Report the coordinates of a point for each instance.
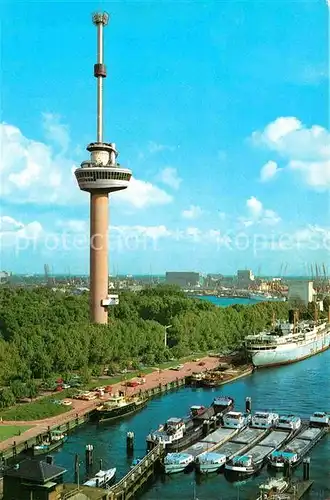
(81, 407)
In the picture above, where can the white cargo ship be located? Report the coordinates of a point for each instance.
(288, 342)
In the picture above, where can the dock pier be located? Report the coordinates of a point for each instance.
(137, 477)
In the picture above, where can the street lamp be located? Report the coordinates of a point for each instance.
(165, 336)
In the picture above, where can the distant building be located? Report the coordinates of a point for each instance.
(245, 278)
(184, 279)
(228, 282)
(301, 291)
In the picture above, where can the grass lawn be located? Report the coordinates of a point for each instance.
(37, 410)
(45, 408)
(8, 431)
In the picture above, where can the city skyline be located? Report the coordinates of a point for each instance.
(227, 136)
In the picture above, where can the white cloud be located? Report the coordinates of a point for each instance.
(73, 225)
(55, 131)
(307, 150)
(153, 147)
(141, 194)
(13, 231)
(316, 174)
(193, 212)
(268, 171)
(170, 177)
(257, 214)
(31, 172)
(7, 223)
(152, 232)
(254, 206)
(222, 215)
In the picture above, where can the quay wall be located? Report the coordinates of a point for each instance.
(12, 451)
(69, 422)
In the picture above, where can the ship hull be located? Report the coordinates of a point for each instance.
(115, 413)
(291, 353)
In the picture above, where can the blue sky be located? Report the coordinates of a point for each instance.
(219, 108)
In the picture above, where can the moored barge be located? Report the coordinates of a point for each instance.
(294, 451)
(250, 462)
(179, 433)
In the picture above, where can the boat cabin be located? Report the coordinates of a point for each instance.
(290, 422)
(173, 424)
(171, 431)
(222, 403)
(280, 457)
(320, 419)
(178, 458)
(235, 420)
(113, 402)
(211, 458)
(177, 462)
(242, 461)
(264, 420)
(197, 410)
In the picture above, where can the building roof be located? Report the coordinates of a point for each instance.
(34, 470)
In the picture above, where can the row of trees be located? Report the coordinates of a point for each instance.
(43, 332)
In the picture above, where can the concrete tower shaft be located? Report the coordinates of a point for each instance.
(100, 175)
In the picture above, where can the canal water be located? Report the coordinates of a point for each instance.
(300, 388)
(226, 301)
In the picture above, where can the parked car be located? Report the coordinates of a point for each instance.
(132, 383)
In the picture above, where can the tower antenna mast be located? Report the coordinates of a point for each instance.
(99, 176)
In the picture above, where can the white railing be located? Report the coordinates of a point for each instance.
(138, 470)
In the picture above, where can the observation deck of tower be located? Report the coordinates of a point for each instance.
(99, 176)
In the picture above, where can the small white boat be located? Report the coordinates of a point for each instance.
(273, 488)
(320, 418)
(177, 462)
(102, 478)
(210, 462)
(264, 420)
(289, 422)
(235, 420)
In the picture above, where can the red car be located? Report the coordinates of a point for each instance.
(132, 384)
(202, 363)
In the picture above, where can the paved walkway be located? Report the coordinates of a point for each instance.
(80, 407)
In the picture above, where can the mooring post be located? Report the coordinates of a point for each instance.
(248, 404)
(130, 442)
(306, 472)
(287, 469)
(206, 427)
(76, 469)
(89, 455)
(101, 463)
